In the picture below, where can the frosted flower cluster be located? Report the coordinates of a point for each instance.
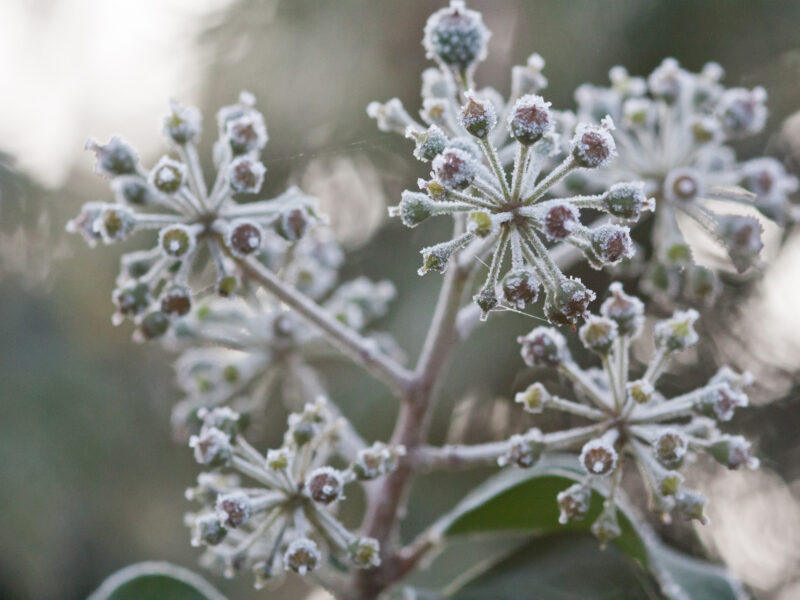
(629, 418)
(468, 137)
(674, 132)
(157, 286)
(243, 353)
(283, 518)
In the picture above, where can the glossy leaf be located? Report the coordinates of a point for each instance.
(155, 581)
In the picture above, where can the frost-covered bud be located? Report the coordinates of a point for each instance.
(325, 485)
(528, 78)
(132, 190)
(376, 460)
(176, 301)
(435, 258)
(677, 332)
(234, 508)
(486, 299)
(668, 483)
(599, 457)
(456, 36)
(560, 221)
(84, 223)
(691, 505)
(521, 287)
(670, 447)
(598, 334)
(733, 451)
(244, 238)
(133, 299)
(115, 223)
(627, 200)
(429, 143)
(153, 325)
(641, 391)
(480, 223)
(455, 169)
(544, 347)
(742, 238)
(523, 450)
(573, 503)
(223, 418)
(606, 527)
(246, 175)
(742, 112)
(611, 243)
(667, 80)
(168, 175)
(208, 529)
(534, 398)
(637, 112)
(478, 116)
(182, 124)
(177, 241)
(683, 185)
(593, 146)
(212, 447)
(627, 311)
(735, 380)
(365, 553)
(767, 178)
(293, 224)
(413, 209)
(247, 133)
(278, 459)
(390, 116)
(530, 119)
(302, 556)
(569, 303)
(114, 158)
(719, 400)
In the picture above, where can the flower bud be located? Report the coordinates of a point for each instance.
(132, 300)
(245, 175)
(390, 116)
(227, 285)
(524, 450)
(606, 527)
(573, 503)
(528, 78)
(182, 124)
(365, 553)
(429, 143)
(293, 224)
(599, 457)
(278, 460)
(84, 223)
(376, 460)
(208, 529)
(670, 448)
(234, 508)
(153, 325)
(480, 223)
(677, 332)
(247, 133)
(742, 112)
(612, 243)
(593, 146)
(627, 200)
(626, 311)
(168, 175)
(325, 485)
(569, 303)
(212, 447)
(413, 209)
(454, 169)
(733, 451)
(637, 112)
(534, 398)
(691, 505)
(544, 347)
(742, 238)
(683, 185)
(302, 556)
(598, 334)
(719, 401)
(435, 258)
(176, 301)
(486, 300)
(667, 80)
(478, 116)
(560, 221)
(521, 287)
(115, 223)
(132, 190)
(114, 158)
(177, 241)
(641, 391)
(530, 119)
(222, 418)
(456, 36)
(244, 238)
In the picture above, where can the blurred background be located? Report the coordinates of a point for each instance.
(90, 479)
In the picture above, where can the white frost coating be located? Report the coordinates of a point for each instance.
(234, 508)
(245, 175)
(743, 111)
(177, 241)
(683, 185)
(454, 168)
(168, 175)
(592, 145)
(677, 332)
(302, 556)
(211, 445)
(599, 457)
(332, 486)
(530, 119)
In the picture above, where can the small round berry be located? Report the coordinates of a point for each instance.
(132, 190)
(234, 508)
(429, 143)
(244, 238)
(486, 300)
(226, 286)
(677, 332)
(612, 243)
(302, 556)
(560, 221)
(569, 303)
(208, 529)
(247, 133)
(132, 300)
(593, 146)
(182, 124)
(544, 347)
(598, 334)
(627, 200)
(521, 287)
(325, 485)
(414, 208)
(641, 391)
(478, 116)
(365, 553)
(177, 241)
(670, 448)
(154, 325)
(523, 450)
(176, 301)
(455, 169)
(168, 175)
(293, 224)
(742, 112)
(683, 185)
(530, 119)
(456, 36)
(573, 503)
(599, 457)
(115, 223)
(246, 175)
(627, 311)
(212, 447)
(534, 398)
(720, 400)
(114, 158)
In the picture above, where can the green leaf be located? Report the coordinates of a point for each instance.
(155, 581)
